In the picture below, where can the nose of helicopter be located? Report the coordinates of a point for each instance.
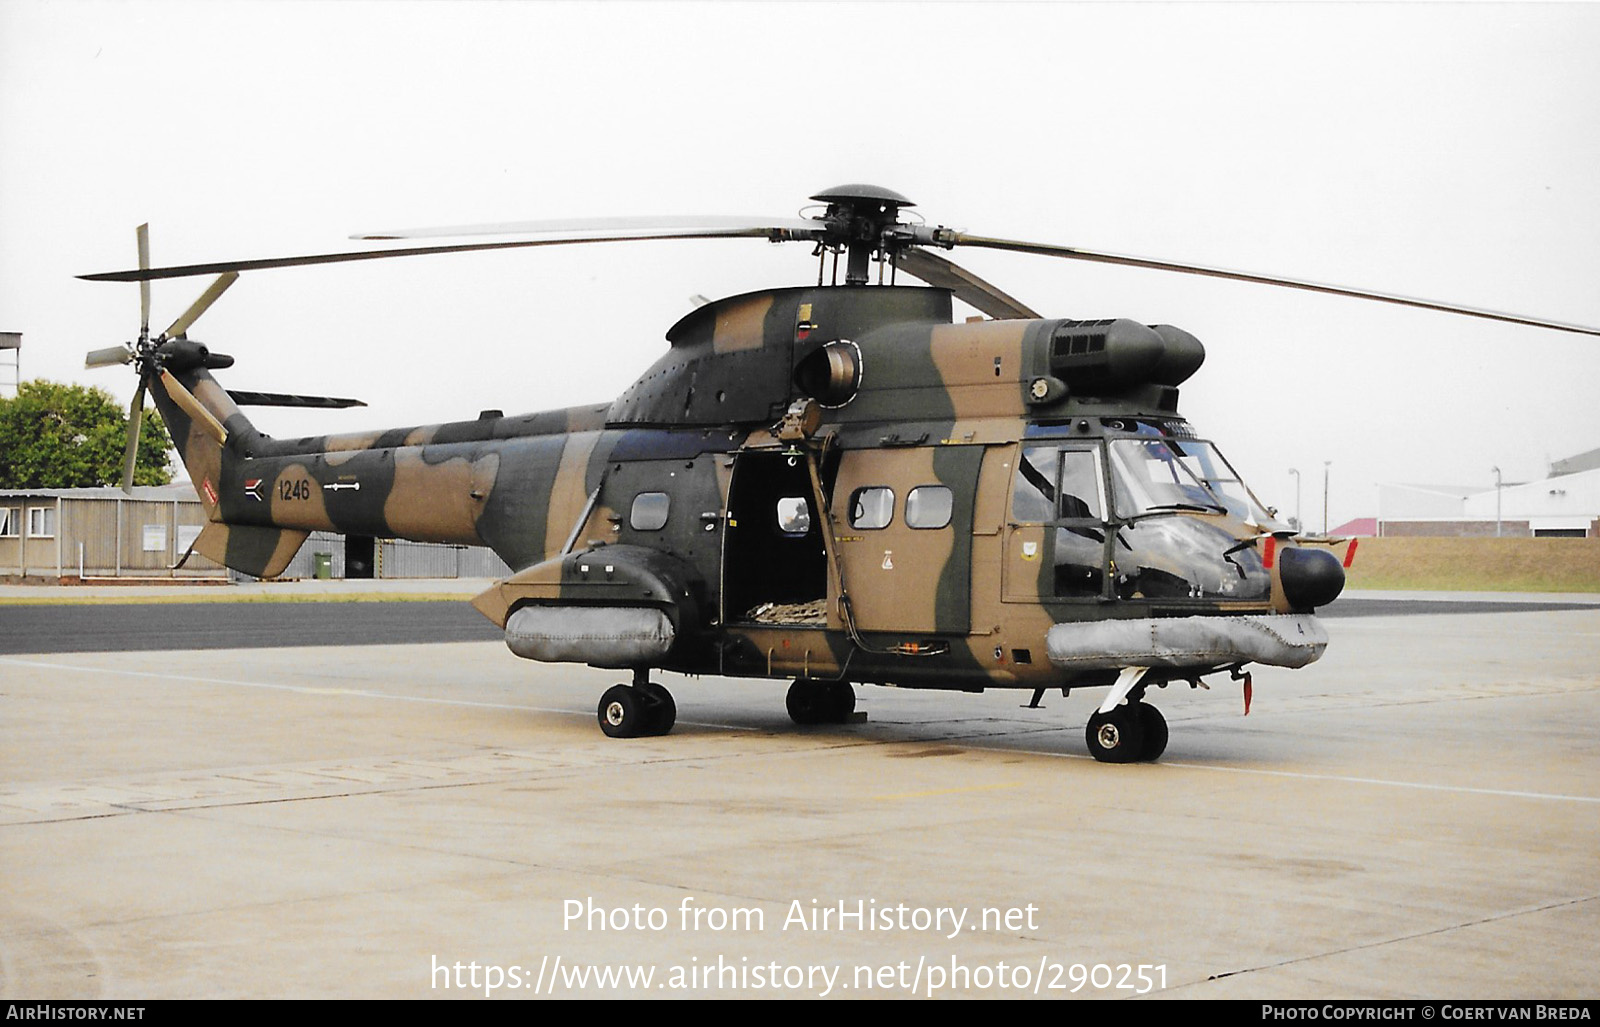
(1311, 577)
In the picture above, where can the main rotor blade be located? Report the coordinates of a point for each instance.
(1073, 253)
(968, 287)
(130, 454)
(608, 226)
(189, 270)
(243, 398)
(199, 306)
(143, 233)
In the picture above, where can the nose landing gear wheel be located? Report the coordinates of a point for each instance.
(1118, 736)
(1154, 726)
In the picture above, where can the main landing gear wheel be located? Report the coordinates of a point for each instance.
(666, 711)
(1155, 732)
(627, 711)
(820, 702)
(1118, 736)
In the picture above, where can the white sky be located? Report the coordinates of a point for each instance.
(1446, 151)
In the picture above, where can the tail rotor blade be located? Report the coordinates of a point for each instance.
(199, 306)
(144, 287)
(108, 356)
(191, 406)
(130, 455)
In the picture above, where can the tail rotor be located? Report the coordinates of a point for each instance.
(147, 354)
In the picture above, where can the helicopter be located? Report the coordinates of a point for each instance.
(834, 484)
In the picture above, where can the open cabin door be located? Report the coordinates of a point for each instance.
(902, 519)
(775, 562)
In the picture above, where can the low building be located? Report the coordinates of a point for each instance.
(1564, 505)
(106, 534)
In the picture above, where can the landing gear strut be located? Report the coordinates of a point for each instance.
(821, 702)
(632, 711)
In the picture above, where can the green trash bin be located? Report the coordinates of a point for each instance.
(324, 565)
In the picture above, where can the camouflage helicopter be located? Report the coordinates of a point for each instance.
(830, 483)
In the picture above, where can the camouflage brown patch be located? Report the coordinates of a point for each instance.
(438, 501)
(792, 652)
(980, 364)
(345, 443)
(421, 436)
(295, 500)
(892, 573)
(741, 325)
(568, 496)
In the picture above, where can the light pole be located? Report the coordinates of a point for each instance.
(1299, 525)
(1325, 465)
(1497, 483)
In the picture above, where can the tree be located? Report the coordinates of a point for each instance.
(55, 436)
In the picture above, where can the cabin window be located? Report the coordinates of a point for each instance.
(871, 507)
(650, 511)
(41, 522)
(929, 506)
(10, 522)
(794, 516)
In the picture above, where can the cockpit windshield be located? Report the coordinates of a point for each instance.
(1158, 475)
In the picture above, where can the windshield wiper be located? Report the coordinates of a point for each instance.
(1163, 508)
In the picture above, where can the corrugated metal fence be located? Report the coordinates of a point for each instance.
(98, 533)
(131, 538)
(400, 559)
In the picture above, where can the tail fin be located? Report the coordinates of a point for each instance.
(209, 431)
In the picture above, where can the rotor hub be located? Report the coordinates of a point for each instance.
(860, 218)
(862, 196)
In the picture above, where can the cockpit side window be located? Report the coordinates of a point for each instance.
(1080, 486)
(1033, 493)
(1053, 483)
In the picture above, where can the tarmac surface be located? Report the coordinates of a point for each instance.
(1415, 816)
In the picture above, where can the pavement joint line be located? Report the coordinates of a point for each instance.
(1347, 779)
(399, 889)
(1493, 918)
(359, 693)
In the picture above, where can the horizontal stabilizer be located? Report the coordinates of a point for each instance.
(258, 551)
(283, 399)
